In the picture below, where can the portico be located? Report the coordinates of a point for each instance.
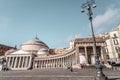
(19, 62)
(86, 50)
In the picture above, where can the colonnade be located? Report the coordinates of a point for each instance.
(56, 62)
(91, 55)
(19, 62)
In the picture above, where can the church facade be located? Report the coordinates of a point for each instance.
(35, 54)
(85, 49)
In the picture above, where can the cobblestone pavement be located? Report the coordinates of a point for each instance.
(57, 74)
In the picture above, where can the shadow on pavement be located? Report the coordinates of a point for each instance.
(114, 79)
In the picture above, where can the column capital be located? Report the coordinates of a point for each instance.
(85, 46)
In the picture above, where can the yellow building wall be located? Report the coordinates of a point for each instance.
(118, 27)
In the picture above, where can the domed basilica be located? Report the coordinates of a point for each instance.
(35, 54)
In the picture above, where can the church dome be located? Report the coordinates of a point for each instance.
(43, 52)
(33, 45)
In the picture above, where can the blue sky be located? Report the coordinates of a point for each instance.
(55, 22)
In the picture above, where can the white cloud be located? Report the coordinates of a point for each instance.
(103, 21)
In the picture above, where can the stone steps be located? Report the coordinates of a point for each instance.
(47, 77)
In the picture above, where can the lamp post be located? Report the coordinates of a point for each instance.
(99, 73)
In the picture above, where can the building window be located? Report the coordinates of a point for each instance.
(118, 51)
(115, 41)
(105, 43)
(115, 36)
(106, 50)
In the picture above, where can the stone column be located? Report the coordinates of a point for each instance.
(46, 63)
(22, 60)
(12, 61)
(63, 62)
(74, 58)
(101, 53)
(71, 60)
(38, 63)
(103, 56)
(77, 60)
(54, 63)
(35, 63)
(8, 61)
(51, 63)
(86, 54)
(19, 63)
(41, 64)
(26, 61)
(15, 62)
(66, 61)
(59, 63)
(30, 59)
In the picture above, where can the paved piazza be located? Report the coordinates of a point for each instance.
(56, 74)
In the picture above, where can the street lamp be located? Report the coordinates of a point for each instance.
(88, 6)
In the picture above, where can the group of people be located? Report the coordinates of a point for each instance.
(3, 64)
